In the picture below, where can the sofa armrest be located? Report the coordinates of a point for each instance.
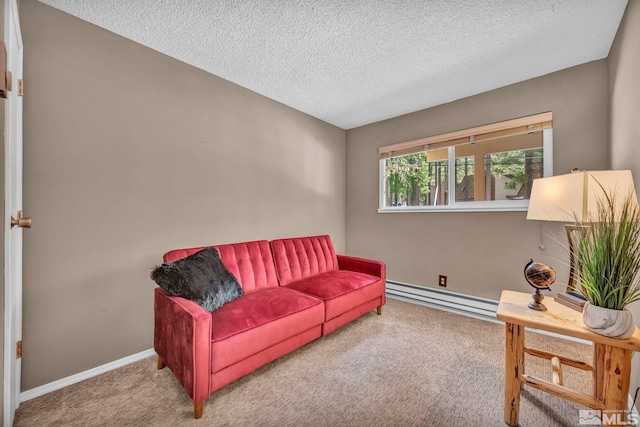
(182, 339)
(363, 265)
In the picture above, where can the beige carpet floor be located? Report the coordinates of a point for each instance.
(412, 366)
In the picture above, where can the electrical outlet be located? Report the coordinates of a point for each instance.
(442, 280)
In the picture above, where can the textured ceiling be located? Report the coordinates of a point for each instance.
(354, 62)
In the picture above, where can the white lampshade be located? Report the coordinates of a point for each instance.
(572, 197)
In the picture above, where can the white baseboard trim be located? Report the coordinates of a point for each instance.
(64, 382)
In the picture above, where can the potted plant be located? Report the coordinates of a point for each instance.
(609, 258)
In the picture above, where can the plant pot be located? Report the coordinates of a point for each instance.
(608, 322)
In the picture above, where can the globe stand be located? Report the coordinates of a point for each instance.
(536, 304)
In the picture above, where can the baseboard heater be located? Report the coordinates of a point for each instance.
(481, 308)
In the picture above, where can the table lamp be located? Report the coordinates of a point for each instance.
(573, 198)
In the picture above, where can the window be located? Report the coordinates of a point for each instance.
(492, 168)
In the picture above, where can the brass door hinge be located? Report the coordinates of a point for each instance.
(18, 349)
(20, 87)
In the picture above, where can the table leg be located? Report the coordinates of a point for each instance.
(598, 370)
(617, 372)
(513, 367)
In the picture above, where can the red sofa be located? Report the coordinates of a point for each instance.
(296, 290)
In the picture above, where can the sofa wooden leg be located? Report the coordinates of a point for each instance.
(160, 363)
(379, 310)
(198, 409)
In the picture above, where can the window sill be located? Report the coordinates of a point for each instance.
(497, 206)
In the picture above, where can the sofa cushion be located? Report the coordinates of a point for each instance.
(201, 278)
(251, 263)
(341, 290)
(303, 257)
(259, 320)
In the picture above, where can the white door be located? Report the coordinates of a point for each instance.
(13, 204)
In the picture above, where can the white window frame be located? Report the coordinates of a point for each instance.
(479, 206)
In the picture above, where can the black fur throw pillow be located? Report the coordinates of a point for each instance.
(200, 277)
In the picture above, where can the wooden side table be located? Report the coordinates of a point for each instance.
(611, 357)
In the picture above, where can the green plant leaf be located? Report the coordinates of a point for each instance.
(609, 253)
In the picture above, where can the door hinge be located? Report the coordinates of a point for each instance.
(20, 87)
(18, 349)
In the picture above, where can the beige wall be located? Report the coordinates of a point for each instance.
(481, 253)
(128, 154)
(624, 93)
(624, 98)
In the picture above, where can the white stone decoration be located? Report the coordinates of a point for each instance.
(608, 322)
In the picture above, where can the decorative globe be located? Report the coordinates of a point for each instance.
(539, 275)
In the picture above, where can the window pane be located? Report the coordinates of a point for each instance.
(465, 174)
(416, 179)
(513, 173)
(506, 168)
(492, 168)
